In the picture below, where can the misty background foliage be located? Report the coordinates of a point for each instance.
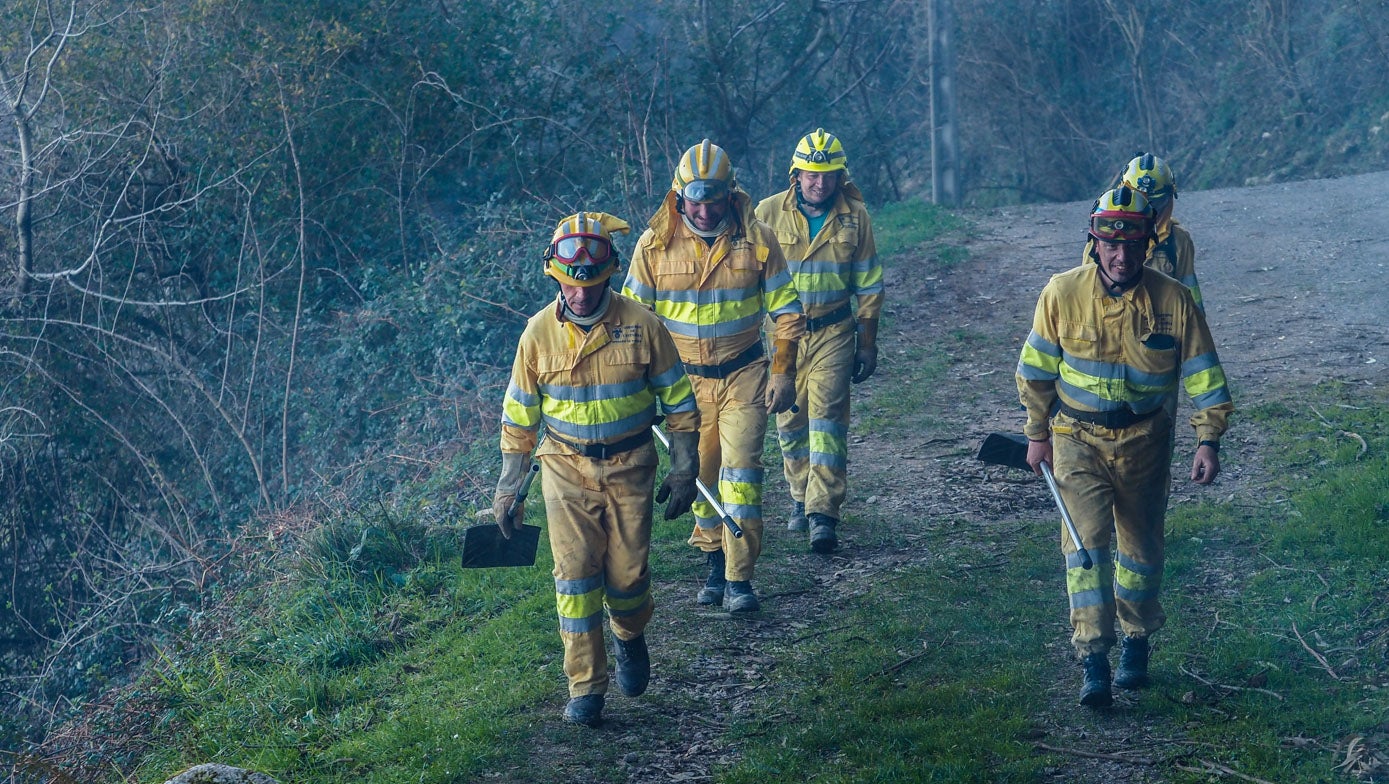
(259, 259)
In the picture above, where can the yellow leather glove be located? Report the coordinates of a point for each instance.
(781, 387)
(866, 356)
(514, 465)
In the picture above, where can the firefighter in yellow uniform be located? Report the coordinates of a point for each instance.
(713, 273)
(823, 228)
(594, 368)
(1171, 250)
(1109, 345)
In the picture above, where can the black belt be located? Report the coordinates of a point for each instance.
(605, 451)
(750, 355)
(1114, 420)
(829, 319)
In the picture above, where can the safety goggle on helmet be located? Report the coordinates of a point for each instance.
(581, 251)
(704, 174)
(1122, 215)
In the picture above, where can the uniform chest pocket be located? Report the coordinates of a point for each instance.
(1160, 342)
(677, 274)
(1080, 338)
(554, 368)
(747, 257)
(787, 238)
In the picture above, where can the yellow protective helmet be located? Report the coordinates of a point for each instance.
(581, 251)
(1151, 175)
(705, 174)
(1122, 215)
(819, 152)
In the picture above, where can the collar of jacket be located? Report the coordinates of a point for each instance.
(665, 220)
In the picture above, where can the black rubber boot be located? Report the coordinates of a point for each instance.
(712, 592)
(1133, 664)
(822, 536)
(741, 599)
(633, 665)
(797, 521)
(587, 710)
(1094, 690)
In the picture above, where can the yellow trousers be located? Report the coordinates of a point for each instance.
(732, 426)
(815, 440)
(599, 520)
(1115, 484)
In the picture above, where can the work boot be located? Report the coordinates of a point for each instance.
(1133, 664)
(741, 599)
(797, 521)
(586, 710)
(712, 592)
(822, 536)
(1094, 690)
(633, 665)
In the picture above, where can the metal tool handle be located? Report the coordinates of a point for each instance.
(733, 527)
(521, 492)
(1085, 561)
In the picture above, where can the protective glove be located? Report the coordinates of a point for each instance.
(781, 387)
(781, 393)
(514, 465)
(679, 484)
(866, 356)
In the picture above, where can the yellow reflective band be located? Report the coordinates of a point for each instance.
(1207, 380)
(1134, 581)
(828, 443)
(781, 298)
(581, 606)
(597, 412)
(626, 605)
(525, 416)
(713, 313)
(1034, 358)
(1080, 580)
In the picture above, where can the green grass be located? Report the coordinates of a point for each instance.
(907, 225)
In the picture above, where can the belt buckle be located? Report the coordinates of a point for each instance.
(596, 451)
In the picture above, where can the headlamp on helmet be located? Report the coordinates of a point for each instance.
(1122, 215)
(581, 251)
(820, 151)
(1153, 177)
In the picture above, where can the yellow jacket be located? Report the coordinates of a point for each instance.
(713, 298)
(1101, 353)
(594, 387)
(839, 262)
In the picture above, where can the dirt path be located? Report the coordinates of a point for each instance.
(1294, 277)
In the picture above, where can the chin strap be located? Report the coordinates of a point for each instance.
(1118, 288)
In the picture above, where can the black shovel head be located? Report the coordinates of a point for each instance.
(1005, 449)
(484, 546)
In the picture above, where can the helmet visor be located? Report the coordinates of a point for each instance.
(568, 249)
(1119, 229)
(704, 191)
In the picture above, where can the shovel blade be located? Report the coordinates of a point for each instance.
(485, 547)
(1005, 449)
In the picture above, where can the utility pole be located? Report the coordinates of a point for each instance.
(945, 156)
